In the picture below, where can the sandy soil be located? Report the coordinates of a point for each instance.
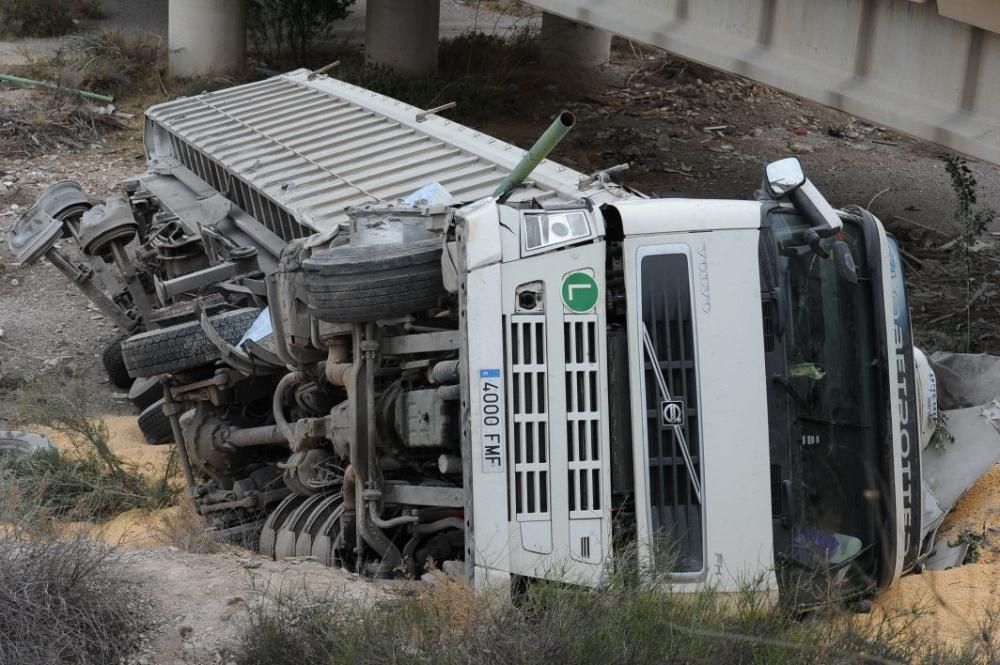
(954, 605)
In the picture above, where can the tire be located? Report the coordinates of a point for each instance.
(23, 443)
(358, 284)
(184, 346)
(154, 425)
(114, 364)
(145, 391)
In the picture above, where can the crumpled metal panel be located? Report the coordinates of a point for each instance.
(295, 152)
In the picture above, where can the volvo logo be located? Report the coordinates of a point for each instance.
(672, 412)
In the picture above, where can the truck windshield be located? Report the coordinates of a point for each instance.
(831, 378)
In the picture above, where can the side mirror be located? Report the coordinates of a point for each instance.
(784, 176)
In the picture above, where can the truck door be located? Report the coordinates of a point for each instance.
(699, 413)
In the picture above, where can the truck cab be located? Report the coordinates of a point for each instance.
(708, 387)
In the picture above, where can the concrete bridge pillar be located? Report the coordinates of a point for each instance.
(403, 35)
(574, 44)
(207, 37)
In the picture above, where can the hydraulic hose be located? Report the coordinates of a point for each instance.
(278, 404)
(440, 525)
(390, 523)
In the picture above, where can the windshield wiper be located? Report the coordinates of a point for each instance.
(678, 432)
(833, 421)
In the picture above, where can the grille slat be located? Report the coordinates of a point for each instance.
(530, 478)
(582, 416)
(667, 315)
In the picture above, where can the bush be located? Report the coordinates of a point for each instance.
(293, 25)
(88, 482)
(618, 624)
(44, 18)
(114, 63)
(63, 602)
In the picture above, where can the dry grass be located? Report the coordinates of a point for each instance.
(620, 623)
(89, 481)
(184, 528)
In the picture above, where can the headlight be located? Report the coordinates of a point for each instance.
(541, 229)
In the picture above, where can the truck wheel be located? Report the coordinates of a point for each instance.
(183, 346)
(366, 283)
(114, 364)
(23, 443)
(154, 425)
(145, 391)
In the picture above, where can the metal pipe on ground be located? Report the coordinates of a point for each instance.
(32, 83)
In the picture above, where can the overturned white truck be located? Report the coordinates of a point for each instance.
(384, 339)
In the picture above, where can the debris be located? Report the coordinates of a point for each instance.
(906, 220)
(676, 172)
(884, 142)
(875, 198)
(34, 129)
(800, 148)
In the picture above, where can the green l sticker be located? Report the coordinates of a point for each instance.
(579, 291)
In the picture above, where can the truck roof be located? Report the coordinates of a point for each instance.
(296, 150)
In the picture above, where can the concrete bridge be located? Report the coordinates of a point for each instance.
(928, 68)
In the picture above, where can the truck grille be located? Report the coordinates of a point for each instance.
(583, 418)
(676, 511)
(529, 400)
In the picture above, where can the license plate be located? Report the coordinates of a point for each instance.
(492, 420)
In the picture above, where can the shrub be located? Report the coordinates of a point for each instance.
(63, 600)
(115, 63)
(294, 25)
(45, 18)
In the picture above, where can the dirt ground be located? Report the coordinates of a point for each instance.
(201, 598)
(686, 131)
